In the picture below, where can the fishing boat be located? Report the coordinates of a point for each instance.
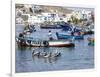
(64, 26)
(44, 43)
(51, 27)
(65, 36)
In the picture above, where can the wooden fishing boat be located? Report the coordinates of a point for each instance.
(65, 36)
(45, 43)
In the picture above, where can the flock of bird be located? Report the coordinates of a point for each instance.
(46, 54)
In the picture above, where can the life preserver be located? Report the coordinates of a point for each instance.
(46, 43)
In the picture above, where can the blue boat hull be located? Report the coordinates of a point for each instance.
(62, 36)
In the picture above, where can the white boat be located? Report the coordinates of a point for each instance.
(47, 43)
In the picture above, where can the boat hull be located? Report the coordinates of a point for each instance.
(62, 36)
(60, 45)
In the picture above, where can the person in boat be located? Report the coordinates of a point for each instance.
(50, 35)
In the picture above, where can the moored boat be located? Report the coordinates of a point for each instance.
(60, 25)
(51, 27)
(65, 36)
(45, 43)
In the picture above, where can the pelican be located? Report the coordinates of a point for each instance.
(35, 53)
(48, 55)
(56, 54)
(43, 54)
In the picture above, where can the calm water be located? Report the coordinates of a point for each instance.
(79, 57)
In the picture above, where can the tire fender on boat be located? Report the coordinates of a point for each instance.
(46, 43)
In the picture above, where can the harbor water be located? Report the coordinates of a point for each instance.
(79, 57)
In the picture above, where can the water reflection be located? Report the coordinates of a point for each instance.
(46, 58)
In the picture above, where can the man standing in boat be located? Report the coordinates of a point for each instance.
(50, 35)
